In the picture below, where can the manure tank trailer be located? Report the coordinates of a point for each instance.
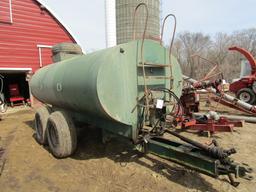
(127, 91)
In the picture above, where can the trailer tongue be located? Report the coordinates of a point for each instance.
(210, 160)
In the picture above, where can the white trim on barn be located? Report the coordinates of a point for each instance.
(40, 53)
(15, 69)
(10, 20)
(10, 9)
(58, 18)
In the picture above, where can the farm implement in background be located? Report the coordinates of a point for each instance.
(245, 87)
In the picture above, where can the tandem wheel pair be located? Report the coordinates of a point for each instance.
(57, 129)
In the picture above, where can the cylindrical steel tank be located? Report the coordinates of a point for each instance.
(124, 19)
(104, 86)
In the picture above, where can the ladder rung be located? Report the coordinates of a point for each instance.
(157, 77)
(154, 65)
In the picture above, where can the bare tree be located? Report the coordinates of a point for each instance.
(246, 39)
(191, 44)
(215, 49)
(219, 48)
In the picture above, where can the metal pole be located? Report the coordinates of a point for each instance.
(213, 151)
(187, 140)
(234, 117)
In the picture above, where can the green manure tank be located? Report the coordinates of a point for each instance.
(126, 94)
(103, 88)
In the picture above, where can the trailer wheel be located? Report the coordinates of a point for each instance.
(41, 118)
(246, 95)
(61, 134)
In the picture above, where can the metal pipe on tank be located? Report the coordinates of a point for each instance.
(226, 97)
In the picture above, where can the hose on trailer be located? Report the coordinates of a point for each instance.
(163, 115)
(180, 106)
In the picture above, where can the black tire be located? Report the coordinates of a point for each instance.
(247, 95)
(61, 134)
(41, 118)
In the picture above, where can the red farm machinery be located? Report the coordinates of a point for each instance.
(245, 87)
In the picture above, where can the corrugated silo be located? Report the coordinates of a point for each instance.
(124, 19)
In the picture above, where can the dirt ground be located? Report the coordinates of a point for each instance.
(111, 167)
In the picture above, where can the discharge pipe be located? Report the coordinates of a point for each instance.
(232, 117)
(226, 97)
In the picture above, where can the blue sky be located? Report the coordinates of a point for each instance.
(86, 18)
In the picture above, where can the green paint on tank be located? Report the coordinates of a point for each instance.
(103, 87)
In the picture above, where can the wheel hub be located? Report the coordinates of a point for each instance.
(245, 97)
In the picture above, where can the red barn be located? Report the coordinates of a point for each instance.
(28, 30)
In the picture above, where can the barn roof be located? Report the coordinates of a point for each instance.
(41, 2)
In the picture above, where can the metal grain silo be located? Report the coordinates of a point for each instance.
(124, 19)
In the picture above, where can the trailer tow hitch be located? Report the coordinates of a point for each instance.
(211, 160)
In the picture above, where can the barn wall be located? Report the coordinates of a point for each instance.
(32, 25)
